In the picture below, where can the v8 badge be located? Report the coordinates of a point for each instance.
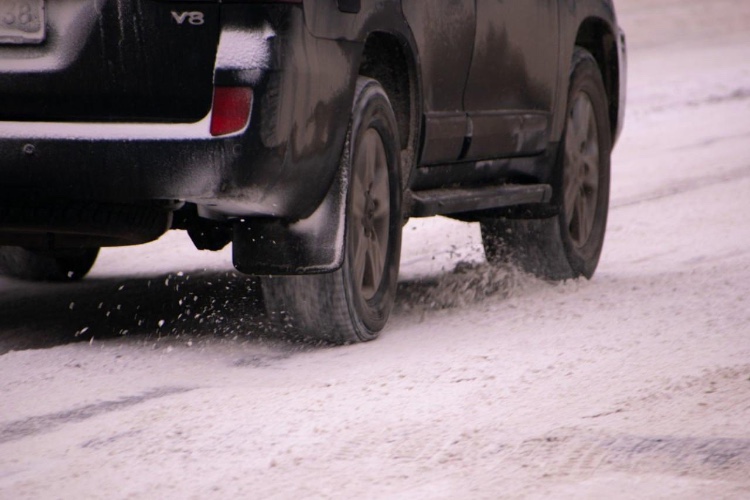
(193, 17)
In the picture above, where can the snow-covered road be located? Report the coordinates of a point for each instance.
(155, 378)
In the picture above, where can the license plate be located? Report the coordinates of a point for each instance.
(22, 21)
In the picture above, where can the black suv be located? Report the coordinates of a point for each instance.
(305, 132)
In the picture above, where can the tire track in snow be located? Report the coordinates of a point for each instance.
(577, 453)
(684, 186)
(20, 429)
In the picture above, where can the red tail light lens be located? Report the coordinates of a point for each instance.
(231, 109)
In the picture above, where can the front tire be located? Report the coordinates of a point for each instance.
(569, 244)
(353, 303)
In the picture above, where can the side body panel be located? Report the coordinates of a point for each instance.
(512, 85)
(440, 36)
(444, 34)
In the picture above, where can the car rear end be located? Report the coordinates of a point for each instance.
(116, 113)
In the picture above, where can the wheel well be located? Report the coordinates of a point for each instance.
(385, 59)
(596, 36)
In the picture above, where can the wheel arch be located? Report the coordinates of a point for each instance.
(388, 58)
(598, 37)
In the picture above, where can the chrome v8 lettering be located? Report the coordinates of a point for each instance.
(193, 17)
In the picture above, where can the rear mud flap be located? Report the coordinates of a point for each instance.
(313, 245)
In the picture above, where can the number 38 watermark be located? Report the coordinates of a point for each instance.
(19, 15)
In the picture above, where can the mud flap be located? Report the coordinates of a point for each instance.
(313, 245)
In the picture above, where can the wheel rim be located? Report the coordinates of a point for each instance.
(581, 170)
(370, 214)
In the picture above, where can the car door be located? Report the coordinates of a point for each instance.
(444, 34)
(511, 86)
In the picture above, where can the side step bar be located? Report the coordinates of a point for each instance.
(456, 200)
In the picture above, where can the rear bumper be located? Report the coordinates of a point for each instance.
(105, 163)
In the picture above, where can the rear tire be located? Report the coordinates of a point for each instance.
(39, 265)
(569, 244)
(353, 303)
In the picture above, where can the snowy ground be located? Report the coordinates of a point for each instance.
(155, 378)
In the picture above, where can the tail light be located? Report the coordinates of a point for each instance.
(231, 109)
